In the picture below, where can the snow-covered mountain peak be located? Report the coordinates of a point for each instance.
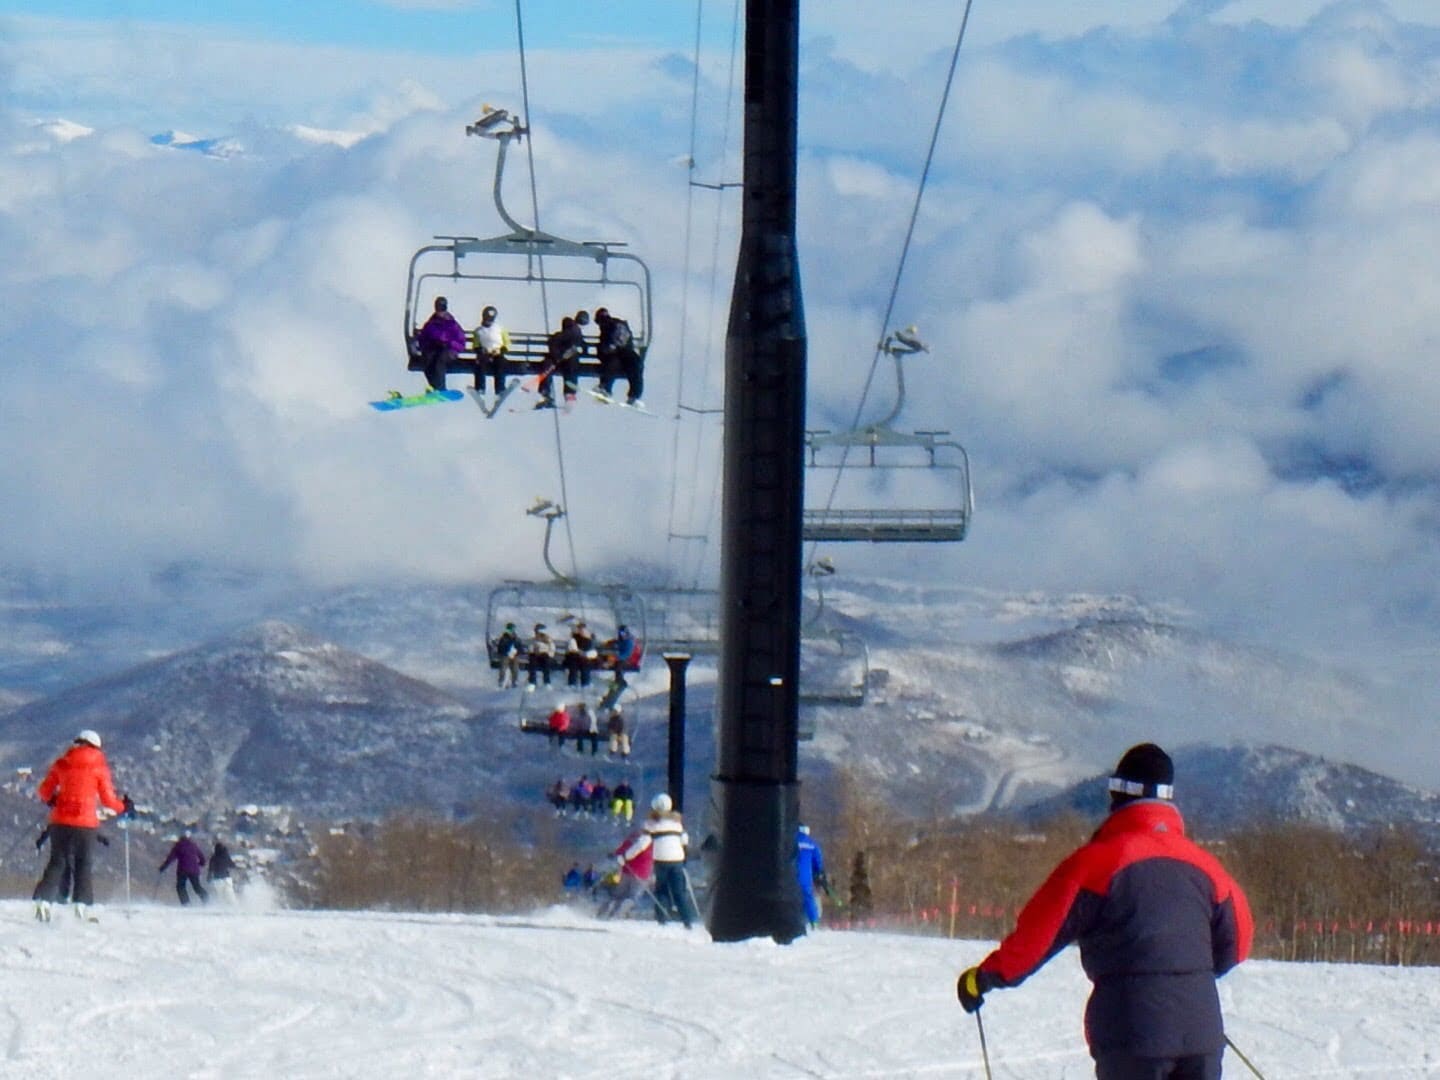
(62, 130)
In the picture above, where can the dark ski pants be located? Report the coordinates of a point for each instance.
(1119, 1065)
(72, 850)
(634, 369)
(672, 893)
(577, 671)
(194, 881)
(622, 364)
(437, 361)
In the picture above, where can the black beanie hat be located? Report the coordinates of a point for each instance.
(1145, 772)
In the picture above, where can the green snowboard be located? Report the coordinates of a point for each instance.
(397, 400)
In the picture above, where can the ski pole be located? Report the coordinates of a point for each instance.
(11, 849)
(1240, 1054)
(984, 1051)
(125, 828)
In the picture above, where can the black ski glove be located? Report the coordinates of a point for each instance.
(129, 811)
(972, 986)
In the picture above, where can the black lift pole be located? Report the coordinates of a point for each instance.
(755, 790)
(677, 662)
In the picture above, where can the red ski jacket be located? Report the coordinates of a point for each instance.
(75, 782)
(1157, 919)
(637, 855)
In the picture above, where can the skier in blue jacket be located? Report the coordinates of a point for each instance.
(810, 869)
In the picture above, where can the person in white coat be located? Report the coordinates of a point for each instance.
(668, 836)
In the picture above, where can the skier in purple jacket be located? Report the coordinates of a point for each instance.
(188, 859)
(440, 341)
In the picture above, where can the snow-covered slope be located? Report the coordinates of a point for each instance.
(162, 992)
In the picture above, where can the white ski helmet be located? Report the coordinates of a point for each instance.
(661, 803)
(88, 736)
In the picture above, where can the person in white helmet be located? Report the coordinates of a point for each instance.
(672, 887)
(75, 783)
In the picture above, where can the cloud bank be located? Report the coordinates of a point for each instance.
(1179, 276)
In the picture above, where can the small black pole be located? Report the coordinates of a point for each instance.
(677, 662)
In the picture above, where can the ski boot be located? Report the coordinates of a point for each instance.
(42, 911)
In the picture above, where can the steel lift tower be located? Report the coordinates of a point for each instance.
(755, 789)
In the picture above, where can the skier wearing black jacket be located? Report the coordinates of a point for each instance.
(618, 357)
(1157, 919)
(218, 872)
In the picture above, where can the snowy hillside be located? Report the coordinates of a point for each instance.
(269, 716)
(976, 701)
(262, 994)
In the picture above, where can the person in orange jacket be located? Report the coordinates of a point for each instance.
(77, 780)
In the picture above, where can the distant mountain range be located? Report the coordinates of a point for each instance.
(256, 140)
(1221, 789)
(384, 702)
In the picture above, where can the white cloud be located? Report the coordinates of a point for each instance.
(1179, 282)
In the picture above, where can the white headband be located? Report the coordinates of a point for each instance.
(1134, 787)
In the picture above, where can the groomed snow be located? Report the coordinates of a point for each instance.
(165, 992)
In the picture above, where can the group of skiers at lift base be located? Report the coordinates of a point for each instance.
(74, 788)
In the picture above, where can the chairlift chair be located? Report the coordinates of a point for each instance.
(834, 668)
(834, 663)
(684, 620)
(596, 273)
(880, 446)
(561, 600)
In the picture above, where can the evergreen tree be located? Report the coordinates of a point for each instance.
(861, 902)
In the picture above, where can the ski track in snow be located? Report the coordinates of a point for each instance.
(213, 994)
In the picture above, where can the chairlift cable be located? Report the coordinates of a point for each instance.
(544, 294)
(715, 258)
(670, 528)
(725, 140)
(904, 255)
(679, 572)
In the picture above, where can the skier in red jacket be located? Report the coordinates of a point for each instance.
(77, 780)
(1158, 920)
(634, 862)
